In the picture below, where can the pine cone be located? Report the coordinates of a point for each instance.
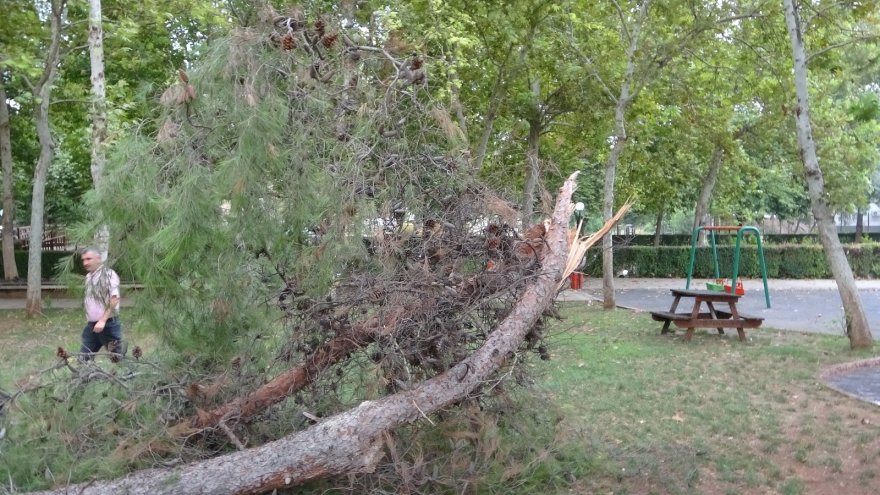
(137, 353)
(113, 349)
(288, 42)
(61, 353)
(320, 27)
(329, 40)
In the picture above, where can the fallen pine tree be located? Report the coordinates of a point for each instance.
(351, 441)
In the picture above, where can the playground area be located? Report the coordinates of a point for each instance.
(800, 305)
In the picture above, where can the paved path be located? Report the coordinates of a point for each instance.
(803, 305)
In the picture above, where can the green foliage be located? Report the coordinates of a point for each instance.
(71, 442)
(144, 43)
(269, 180)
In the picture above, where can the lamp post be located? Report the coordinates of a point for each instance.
(576, 279)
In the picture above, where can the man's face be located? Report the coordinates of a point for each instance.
(91, 261)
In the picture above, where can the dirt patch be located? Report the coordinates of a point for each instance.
(830, 447)
(838, 453)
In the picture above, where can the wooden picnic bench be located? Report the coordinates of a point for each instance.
(711, 318)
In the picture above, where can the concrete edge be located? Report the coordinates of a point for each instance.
(825, 374)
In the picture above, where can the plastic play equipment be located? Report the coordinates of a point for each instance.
(740, 230)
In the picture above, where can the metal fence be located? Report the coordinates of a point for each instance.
(54, 238)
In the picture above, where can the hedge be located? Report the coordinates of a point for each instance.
(727, 238)
(50, 263)
(783, 261)
(53, 263)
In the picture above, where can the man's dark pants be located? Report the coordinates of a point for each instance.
(110, 337)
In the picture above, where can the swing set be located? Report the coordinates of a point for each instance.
(735, 286)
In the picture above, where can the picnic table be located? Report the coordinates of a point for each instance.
(711, 318)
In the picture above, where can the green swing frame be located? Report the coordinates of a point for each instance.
(740, 231)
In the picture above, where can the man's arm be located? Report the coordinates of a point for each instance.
(108, 312)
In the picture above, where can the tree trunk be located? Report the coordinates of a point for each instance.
(455, 99)
(42, 92)
(294, 379)
(351, 441)
(99, 110)
(860, 226)
(658, 227)
(533, 163)
(489, 121)
(701, 210)
(10, 271)
(857, 328)
(619, 141)
(608, 301)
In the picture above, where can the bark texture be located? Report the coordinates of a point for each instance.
(99, 109)
(352, 441)
(491, 114)
(701, 210)
(533, 160)
(658, 227)
(857, 328)
(10, 271)
(99, 100)
(42, 93)
(860, 226)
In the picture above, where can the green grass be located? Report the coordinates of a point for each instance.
(713, 415)
(64, 428)
(28, 345)
(618, 409)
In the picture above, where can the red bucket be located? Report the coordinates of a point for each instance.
(740, 291)
(576, 280)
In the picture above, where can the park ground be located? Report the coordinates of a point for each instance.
(618, 409)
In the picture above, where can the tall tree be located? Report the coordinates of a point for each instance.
(857, 328)
(632, 22)
(42, 92)
(99, 107)
(10, 271)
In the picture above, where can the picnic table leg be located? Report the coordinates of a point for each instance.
(733, 314)
(695, 314)
(672, 309)
(714, 315)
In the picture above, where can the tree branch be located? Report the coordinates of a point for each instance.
(842, 44)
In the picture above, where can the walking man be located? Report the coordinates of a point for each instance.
(101, 303)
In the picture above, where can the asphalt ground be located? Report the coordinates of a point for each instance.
(800, 305)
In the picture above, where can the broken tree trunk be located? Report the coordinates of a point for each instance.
(351, 441)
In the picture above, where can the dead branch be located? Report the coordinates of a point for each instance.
(293, 380)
